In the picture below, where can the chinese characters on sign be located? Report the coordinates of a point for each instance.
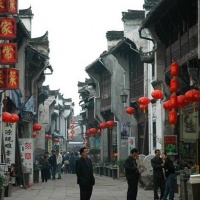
(124, 131)
(170, 144)
(26, 150)
(9, 78)
(9, 133)
(8, 53)
(8, 6)
(7, 28)
(49, 145)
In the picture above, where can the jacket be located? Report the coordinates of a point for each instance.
(131, 169)
(156, 163)
(84, 171)
(169, 167)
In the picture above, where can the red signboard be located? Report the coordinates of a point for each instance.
(8, 7)
(8, 53)
(7, 28)
(170, 144)
(9, 78)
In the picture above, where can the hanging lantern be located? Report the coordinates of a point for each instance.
(110, 124)
(157, 94)
(130, 110)
(34, 134)
(173, 101)
(182, 101)
(93, 130)
(50, 136)
(173, 117)
(174, 85)
(87, 132)
(103, 125)
(174, 69)
(192, 96)
(14, 118)
(47, 136)
(167, 105)
(56, 140)
(143, 108)
(6, 117)
(37, 127)
(144, 100)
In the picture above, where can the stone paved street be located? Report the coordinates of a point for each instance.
(66, 189)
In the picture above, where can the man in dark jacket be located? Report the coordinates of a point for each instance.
(170, 175)
(158, 175)
(84, 172)
(53, 163)
(132, 174)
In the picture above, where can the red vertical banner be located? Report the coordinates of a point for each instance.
(170, 144)
(12, 78)
(8, 53)
(12, 6)
(7, 28)
(72, 126)
(3, 7)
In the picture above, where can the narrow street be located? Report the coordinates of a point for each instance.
(66, 189)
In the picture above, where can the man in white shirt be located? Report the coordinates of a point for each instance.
(59, 163)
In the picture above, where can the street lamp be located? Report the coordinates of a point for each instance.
(123, 97)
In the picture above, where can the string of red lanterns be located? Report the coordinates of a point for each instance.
(9, 118)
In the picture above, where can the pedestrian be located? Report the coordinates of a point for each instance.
(132, 174)
(158, 175)
(84, 172)
(53, 164)
(170, 176)
(16, 173)
(59, 163)
(44, 164)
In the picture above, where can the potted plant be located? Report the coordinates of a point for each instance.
(2, 186)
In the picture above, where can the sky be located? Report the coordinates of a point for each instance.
(77, 36)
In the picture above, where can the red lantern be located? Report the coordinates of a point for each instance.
(174, 85)
(167, 105)
(56, 140)
(130, 110)
(99, 131)
(182, 101)
(37, 127)
(174, 69)
(103, 125)
(6, 117)
(93, 130)
(193, 96)
(143, 108)
(14, 118)
(110, 124)
(87, 132)
(173, 101)
(144, 100)
(34, 134)
(173, 117)
(50, 136)
(157, 94)
(46, 136)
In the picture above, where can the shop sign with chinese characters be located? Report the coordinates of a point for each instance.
(9, 137)
(7, 28)
(8, 53)
(170, 144)
(50, 145)
(8, 7)
(26, 150)
(9, 78)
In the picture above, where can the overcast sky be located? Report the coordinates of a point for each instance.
(77, 36)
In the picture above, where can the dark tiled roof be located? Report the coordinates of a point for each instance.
(114, 35)
(133, 14)
(150, 3)
(26, 12)
(40, 40)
